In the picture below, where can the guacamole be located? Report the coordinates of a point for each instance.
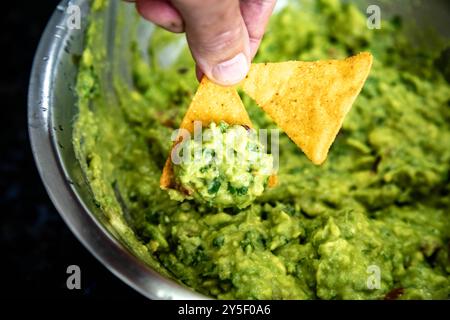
(372, 222)
(227, 167)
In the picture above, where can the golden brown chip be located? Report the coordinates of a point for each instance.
(309, 100)
(211, 103)
(215, 103)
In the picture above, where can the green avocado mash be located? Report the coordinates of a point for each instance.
(226, 168)
(371, 223)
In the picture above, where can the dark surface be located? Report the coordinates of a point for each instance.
(36, 245)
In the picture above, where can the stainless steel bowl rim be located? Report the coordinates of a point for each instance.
(81, 222)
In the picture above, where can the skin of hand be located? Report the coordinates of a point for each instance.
(223, 35)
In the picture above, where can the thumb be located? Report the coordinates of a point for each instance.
(217, 37)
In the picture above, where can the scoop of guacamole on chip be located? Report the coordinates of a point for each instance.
(227, 167)
(371, 222)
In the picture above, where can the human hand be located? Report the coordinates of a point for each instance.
(223, 35)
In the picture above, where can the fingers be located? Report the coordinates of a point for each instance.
(223, 35)
(162, 13)
(217, 37)
(256, 14)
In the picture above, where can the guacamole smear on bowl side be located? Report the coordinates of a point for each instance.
(227, 167)
(372, 222)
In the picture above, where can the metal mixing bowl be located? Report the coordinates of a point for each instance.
(51, 110)
(52, 107)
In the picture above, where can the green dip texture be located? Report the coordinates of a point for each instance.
(227, 167)
(380, 202)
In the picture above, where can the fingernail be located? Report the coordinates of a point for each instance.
(231, 71)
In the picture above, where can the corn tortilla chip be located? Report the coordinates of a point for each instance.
(309, 100)
(211, 103)
(214, 103)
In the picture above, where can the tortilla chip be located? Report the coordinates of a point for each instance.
(211, 103)
(215, 103)
(309, 100)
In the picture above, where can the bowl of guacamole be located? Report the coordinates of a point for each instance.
(372, 222)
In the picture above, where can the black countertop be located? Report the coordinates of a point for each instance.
(37, 247)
